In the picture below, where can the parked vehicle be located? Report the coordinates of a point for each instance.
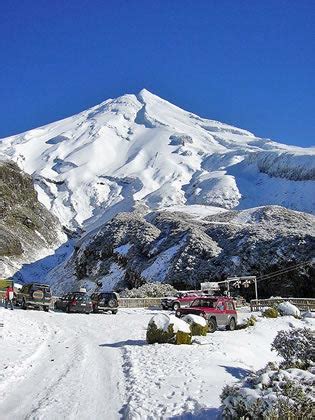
(78, 302)
(219, 311)
(180, 300)
(34, 295)
(105, 302)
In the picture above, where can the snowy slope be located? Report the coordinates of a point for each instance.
(91, 166)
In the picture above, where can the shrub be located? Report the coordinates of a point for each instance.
(198, 325)
(183, 338)
(149, 290)
(251, 321)
(247, 322)
(164, 328)
(270, 393)
(295, 346)
(157, 335)
(271, 313)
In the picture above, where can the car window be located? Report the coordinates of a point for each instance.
(195, 303)
(209, 303)
(229, 306)
(220, 306)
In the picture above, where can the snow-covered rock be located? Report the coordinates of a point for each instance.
(28, 231)
(178, 248)
(287, 308)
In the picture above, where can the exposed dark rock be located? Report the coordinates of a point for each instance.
(26, 226)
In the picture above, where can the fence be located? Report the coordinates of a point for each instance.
(304, 304)
(139, 302)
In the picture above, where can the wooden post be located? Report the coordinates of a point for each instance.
(256, 291)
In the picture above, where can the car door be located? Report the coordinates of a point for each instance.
(220, 314)
(63, 302)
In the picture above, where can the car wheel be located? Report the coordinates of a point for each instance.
(68, 309)
(24, 306)
(46, 308)
(111, 303)
(178, 314)
(176, 306)
(212, 325)
(95, 310)
(232, 325)
(114, 312)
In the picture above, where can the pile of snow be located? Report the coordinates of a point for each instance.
(287, 308)
(195, 319)
(163, 321)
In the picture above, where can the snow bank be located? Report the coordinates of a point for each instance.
(287, 308)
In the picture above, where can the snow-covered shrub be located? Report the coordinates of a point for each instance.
(198, 325)
(164, 328)
(296, 347)
(247, 322)
(149, 290)
(271, 313)
(270, 393)
(286, 308)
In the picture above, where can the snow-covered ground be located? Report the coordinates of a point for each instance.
(61, 366)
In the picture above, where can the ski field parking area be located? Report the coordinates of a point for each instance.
(73, 366)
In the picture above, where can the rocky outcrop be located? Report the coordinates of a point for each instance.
(174, 248)
(28, 231)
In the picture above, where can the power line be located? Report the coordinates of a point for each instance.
(282, 271)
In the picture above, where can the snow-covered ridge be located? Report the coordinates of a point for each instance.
(141, 148)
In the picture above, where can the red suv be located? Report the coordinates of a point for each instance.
(219, 311)
(182, 299)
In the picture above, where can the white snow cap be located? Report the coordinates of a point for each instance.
(287, 308)
(163, 321)
(95, 164)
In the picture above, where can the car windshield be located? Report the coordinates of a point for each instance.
(40, 287)
(82, 298)
(207, 303)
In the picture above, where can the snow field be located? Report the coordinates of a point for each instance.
(56, 365)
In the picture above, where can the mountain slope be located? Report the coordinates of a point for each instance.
(140, 148)
(28, 232)
(176, 248)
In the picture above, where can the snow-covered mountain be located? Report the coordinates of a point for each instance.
(142, 149)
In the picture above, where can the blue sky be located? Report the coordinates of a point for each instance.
(247, 63)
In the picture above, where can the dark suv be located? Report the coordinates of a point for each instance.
(34, 295)
(105, 302)
(74, 302)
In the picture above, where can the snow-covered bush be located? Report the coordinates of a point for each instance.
(296, 347)
(247, 322)
(149, 290)
(164, 328)
(286, 308)
(271, 313)
(271, 393)
(198, 325)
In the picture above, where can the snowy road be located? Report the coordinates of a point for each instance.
(61, 366)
